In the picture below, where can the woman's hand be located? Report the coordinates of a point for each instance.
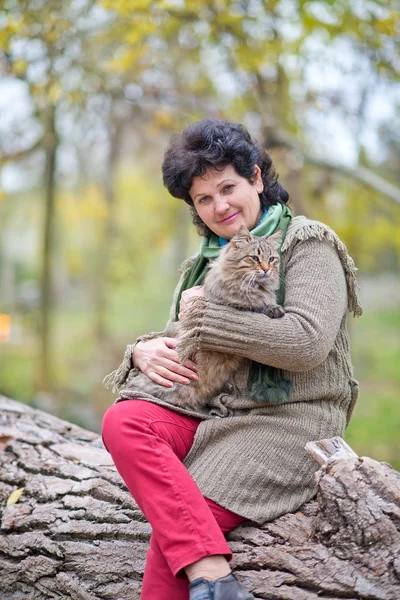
(186, 298)
(160, 362)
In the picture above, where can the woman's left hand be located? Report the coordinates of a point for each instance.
(187, 297)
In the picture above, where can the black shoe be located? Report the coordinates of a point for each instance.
(225, 588)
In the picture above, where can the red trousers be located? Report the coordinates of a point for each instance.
(148, 443)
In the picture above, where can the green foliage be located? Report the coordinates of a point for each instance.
(117, 70)
(146, 223)
(374, 429)
(378, 363)
(17, 371)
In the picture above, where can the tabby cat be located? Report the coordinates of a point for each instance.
(245, 276)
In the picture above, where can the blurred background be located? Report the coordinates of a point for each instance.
(90, 242)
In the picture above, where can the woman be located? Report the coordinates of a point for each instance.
(198, 475)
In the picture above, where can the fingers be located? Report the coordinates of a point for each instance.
(160, 362)
(160, 380)
(170, 372)
(179, 370)
(190, 365)
(170, 342)
(165, 377)
(173, 356)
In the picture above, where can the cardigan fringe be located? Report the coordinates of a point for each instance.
(303, 229)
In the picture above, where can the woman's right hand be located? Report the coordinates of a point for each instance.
(160, 362)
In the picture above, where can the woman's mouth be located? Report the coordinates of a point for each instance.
(228, 219)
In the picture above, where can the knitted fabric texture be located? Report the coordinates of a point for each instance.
(250, 458)
(265, 383)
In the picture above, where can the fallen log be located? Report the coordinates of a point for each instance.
(71, 530)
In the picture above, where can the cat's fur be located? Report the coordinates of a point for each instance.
(245, 276)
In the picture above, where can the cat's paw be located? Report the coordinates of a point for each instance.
(275, 312)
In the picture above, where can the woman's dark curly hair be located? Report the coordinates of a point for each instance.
(212, 143)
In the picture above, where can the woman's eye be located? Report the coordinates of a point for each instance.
(271, 259)
(204, 200)
(255, 258)
(228, 188)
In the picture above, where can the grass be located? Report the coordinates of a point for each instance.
(376, 346)
(375, 426)
(374, 429)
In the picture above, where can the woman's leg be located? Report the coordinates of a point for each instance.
(148, 443)
(158, 582)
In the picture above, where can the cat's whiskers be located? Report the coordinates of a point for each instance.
(247, 283)
(244, 281)
(252, 281)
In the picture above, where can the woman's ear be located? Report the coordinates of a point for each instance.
(258, 182)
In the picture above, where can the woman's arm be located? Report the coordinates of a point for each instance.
(315, 303)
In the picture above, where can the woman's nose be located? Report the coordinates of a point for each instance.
(221, 206)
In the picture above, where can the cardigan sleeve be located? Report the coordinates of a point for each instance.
(315, 303)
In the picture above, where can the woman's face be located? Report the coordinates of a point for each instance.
(224, 200)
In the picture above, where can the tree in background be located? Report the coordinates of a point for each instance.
(42, 45)
(112, 79)
(294, 72)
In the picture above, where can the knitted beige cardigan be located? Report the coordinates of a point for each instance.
(250, 458)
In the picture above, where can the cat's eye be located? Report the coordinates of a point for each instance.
(255, 258)
(271, 259)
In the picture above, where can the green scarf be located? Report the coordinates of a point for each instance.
(265, 383)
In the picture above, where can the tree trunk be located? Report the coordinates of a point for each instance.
(106, 241)
(75, 532)
(46, 304)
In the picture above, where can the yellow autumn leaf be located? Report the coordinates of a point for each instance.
(55, 92)
(14, 23)
(389, 25)
(163, 119)
(19, 67)
(15, 496)
(137, 34)
(75, 96)
(4, 39)
(125, 59)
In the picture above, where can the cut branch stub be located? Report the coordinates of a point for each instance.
(359, 511)
(332, 449)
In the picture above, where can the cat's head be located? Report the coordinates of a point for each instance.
(254, 260)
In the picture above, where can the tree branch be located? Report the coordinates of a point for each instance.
(5, 158)
(360, 174)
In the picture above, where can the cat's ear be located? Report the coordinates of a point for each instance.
(275, 238)
(243, 236)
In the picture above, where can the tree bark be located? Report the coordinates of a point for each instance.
(76, 533)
